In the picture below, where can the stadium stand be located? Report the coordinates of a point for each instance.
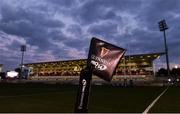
(138, 66)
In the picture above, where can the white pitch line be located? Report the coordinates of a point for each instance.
(152, 104)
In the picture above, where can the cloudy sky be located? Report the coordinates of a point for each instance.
(62, 29)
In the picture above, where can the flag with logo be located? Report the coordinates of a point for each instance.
(103, 58)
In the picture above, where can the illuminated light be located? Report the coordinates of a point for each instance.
(158, 57)
(169, 80)
(176, 66)
(132, 57)
(177, 80)
(148, 56)
(12, 74)
(145, 63)
(143, 59)
(141, 56)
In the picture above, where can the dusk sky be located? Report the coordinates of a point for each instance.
(62, 29)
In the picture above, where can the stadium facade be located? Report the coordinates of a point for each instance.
(138, 66)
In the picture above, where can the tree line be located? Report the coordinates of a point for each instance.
(163, 72)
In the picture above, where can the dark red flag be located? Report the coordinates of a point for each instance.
(104, 57)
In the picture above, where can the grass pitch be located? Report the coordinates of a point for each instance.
(169, 102)
(61, 98)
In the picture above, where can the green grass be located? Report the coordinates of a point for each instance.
(169, 102)
(36, 98)
(61, 98)
(114, 99)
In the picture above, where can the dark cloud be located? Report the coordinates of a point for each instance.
(62, 3)
(76, 43)
(105, 29)
(156, 10)
(75, 30)
(35, 26)
(94, 11)
(61, 29)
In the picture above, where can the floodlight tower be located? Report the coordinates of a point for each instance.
(163, 27)
(23, 49)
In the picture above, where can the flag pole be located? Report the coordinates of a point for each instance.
(82, 98)
(103, 59)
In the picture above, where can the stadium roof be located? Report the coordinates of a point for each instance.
(144, 57)
(137, 57)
